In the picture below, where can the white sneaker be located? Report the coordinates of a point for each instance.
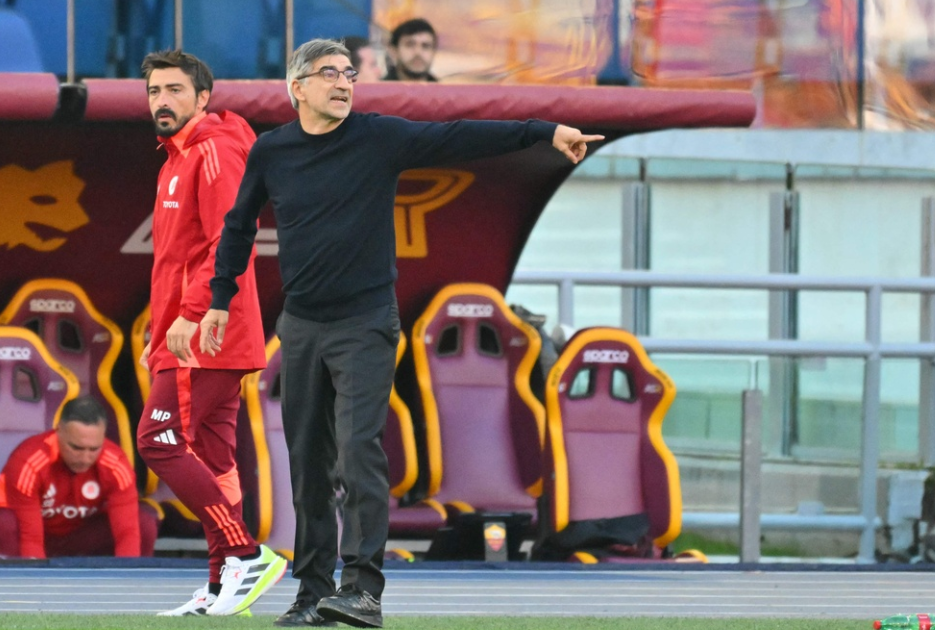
(244, 581)
(200, 601)
(198, 605)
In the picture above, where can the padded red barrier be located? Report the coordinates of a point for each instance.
(116, 99)
(606, 108)
(27, 96)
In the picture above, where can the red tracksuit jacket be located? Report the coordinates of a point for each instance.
(51, 500)
(197, 186)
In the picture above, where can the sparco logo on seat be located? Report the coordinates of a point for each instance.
(51, 306)
(470, 310)
(606, 356)
(20, 353)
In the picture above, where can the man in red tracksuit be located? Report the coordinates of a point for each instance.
(72, 492)
(186, 434)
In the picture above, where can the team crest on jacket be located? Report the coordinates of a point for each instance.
(90, 490)
(172, 184)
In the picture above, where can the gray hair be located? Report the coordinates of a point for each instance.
(306, 55)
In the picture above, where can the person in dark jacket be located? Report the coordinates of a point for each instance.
(340, 325)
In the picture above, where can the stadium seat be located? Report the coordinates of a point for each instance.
(78, 336)
(276, 522)
(94, 34)
(332, 19)
(612, 491)
(483, 426)
(276, 514)
(34, 387)
(139, 337)
(423, 518)
(19, 51)
(230, 36)
(143, 26)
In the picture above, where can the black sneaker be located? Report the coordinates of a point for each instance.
(301, 614)
(352, 606)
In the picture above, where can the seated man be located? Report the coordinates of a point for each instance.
(73, 493)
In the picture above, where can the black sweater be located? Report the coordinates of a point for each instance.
(333, 197)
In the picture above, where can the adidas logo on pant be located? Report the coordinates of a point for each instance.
(166, 437)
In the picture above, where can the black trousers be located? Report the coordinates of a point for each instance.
(336, 381)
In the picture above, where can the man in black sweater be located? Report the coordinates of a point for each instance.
(340, 324)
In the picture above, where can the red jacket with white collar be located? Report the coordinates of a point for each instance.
(51, 500)
(197, 186)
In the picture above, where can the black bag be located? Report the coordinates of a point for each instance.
(626, 536)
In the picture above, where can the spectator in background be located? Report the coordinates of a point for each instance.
(364, 59)
(412, 50)
(72, 492)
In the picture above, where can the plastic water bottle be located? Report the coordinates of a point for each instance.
(922, 621)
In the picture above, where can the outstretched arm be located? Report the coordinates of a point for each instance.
(572, 142)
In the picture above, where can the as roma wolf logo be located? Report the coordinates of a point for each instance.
(37, 208)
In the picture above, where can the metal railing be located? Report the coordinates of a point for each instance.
(872, 349)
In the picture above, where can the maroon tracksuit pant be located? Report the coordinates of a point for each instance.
(187, 436)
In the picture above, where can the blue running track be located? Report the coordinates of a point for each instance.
(423, 589)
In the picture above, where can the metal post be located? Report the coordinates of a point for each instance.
(783, 315)
(927, 333)
(290, 30)
(861, 62)
(870, 431)
(751, 475)
(634, 302)
(70, 42)
(178, 23)
(566, 303)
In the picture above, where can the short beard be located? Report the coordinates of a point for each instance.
(418, 76)
(168, 132)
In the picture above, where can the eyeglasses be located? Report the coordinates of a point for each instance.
(331, 74)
